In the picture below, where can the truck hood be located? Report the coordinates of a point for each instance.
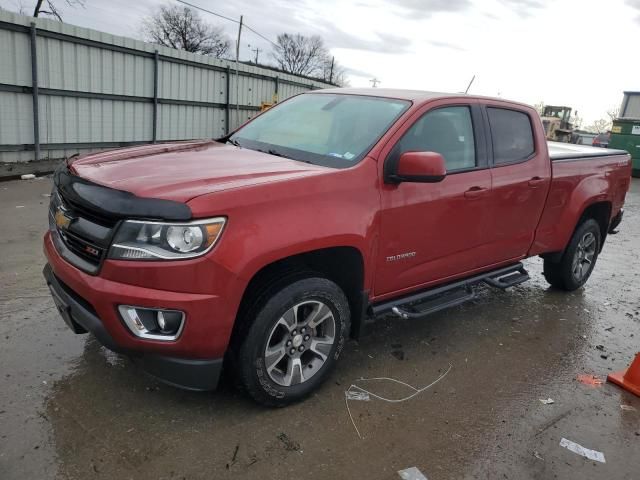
(185, 170)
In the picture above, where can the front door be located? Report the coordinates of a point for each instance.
(431, 231)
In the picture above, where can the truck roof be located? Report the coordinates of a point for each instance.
(412, 95)
(390, 93)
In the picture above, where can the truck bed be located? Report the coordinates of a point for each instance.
(580, 174)
(569, 151)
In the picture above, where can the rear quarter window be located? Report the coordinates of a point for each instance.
(512, 135)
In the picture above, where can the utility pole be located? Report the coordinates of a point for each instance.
(331, 71)
(257, 50)
(374, 82)
(237, 73)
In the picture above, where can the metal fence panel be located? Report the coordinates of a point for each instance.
(184, 122)
(15, 58)
(95, 90)
(20, 129)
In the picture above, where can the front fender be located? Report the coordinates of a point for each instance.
(273, 221)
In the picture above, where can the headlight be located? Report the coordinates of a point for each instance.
(139, 240)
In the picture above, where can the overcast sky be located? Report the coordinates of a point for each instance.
(579, 53)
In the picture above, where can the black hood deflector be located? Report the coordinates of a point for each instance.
(116, 204)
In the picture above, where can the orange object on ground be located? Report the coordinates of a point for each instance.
(629, 380)
(590, 380)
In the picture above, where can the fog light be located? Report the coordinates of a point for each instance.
(152, 323)
(169, 321)
(161, 321)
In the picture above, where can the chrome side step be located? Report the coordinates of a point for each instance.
(447, 299)
(508, 280)
(424, 303)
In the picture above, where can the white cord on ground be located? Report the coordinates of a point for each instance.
(416, 391)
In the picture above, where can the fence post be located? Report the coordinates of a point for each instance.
(227, 110)
(276, 98)
(34, 92)
(156, 60)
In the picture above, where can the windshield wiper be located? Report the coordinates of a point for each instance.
(234, 142)
(275, 153)
(271, 151)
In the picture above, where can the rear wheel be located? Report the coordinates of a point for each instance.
(576, 264)
(296, 335)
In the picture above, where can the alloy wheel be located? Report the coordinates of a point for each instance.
(299, 343)
(584, 256)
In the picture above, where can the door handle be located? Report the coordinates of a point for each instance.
(475, 192)
(536, 182)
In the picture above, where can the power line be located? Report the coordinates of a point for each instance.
(229, 19)
(208, 11)
(260, 35)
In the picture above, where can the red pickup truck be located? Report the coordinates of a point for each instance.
(267, 249)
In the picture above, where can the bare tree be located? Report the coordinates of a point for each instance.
(604, 124)
(600, 126)
(613, 113)
(19, 7)
(333, 72)
(182, 28)
(340, 77)
(300, 55)
(52, 9)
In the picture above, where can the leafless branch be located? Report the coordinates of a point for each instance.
(182, 28)
(300, 55)
(52, 9)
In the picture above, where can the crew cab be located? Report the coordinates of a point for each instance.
(265, 250)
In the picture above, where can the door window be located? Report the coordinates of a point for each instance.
(447, 131)
(512, 135)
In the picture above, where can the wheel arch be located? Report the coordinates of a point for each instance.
(601, 213)
(343, 265)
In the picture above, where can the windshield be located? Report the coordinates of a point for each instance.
(326, 129)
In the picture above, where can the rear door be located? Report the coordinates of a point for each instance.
(521, 175)
(430, 231)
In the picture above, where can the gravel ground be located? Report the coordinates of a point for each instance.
(70, 409)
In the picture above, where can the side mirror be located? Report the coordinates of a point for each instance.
(426, 167)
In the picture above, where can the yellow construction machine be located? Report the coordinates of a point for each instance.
(557, 123)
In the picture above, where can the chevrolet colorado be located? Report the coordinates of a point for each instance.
(271, 246)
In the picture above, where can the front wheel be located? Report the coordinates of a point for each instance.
(576, 264)
(296, 336)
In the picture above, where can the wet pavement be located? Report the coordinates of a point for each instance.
(70, 409)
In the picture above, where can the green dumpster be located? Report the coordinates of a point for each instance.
(625, 135)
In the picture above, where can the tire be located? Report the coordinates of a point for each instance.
(296, 335)
(577, 263)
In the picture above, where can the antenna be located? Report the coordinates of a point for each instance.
(469, 86)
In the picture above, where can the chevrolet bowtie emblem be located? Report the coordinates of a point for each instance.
(62, 220)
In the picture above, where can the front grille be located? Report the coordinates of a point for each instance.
(81, 247)
(85, 234)
(89, 214)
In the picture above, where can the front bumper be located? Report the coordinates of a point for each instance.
(82, 318)
(194, 359)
